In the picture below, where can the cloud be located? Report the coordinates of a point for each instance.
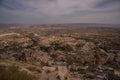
(59, 11)
(51, 7)
(112, 17)
(63, 7)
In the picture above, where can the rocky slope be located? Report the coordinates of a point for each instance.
(60, 57)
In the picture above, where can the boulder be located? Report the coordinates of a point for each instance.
(63, 73)
(117, 73)
(49, 69)
(88, 47)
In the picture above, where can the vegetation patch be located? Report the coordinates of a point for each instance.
(13, 73)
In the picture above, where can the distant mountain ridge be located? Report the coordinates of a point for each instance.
(2, 26)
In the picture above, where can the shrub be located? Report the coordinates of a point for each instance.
(57, 45)
(13, 73)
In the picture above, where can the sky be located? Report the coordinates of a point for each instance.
(60, 11)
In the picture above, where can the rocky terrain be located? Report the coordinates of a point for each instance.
(62, 52)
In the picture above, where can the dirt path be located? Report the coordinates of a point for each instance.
(8, 34)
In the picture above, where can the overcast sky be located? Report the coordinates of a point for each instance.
(60, 11)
